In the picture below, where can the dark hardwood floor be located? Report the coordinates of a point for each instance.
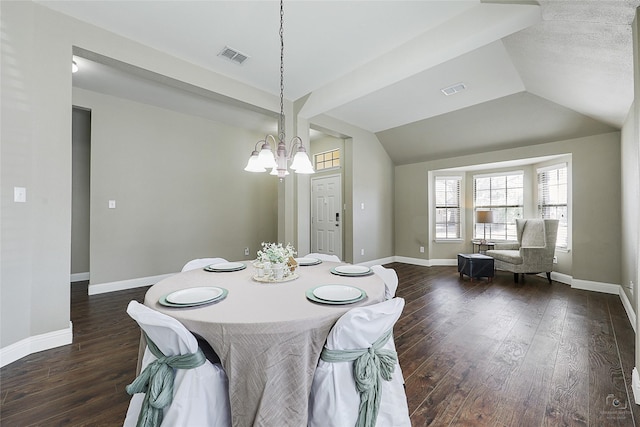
(472, 354)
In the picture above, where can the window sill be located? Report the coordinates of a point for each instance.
(448, 241)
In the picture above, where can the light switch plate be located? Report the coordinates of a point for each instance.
(112, 204)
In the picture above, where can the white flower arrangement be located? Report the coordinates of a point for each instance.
(275, 262)
(275, 253)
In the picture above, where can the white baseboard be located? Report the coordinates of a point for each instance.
(412, 261)
(35, 344)
(121, 285)
(587, 285)
(380, 261)
(628, 308)
(560, 277)
(79, 277)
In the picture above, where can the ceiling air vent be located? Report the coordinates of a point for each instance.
(459, 87)
(233, 55)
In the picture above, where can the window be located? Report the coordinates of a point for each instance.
(327, 160)
(448, 200)
(504, 195)
(552, 199)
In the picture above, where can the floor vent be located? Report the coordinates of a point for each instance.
(233, 55)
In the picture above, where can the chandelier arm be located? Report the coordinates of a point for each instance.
(273, 138)
(295, 142)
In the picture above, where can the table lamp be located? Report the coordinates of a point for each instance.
(484, 218)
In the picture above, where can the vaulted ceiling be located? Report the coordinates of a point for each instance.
(533, 72)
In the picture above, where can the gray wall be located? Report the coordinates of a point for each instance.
(35, 242)
(596, 197)
(36, 153)
(631, 143)
(179, 186)
(80, 190)
(630, 185)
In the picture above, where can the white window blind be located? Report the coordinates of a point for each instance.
(504, 195)
(448, 201)
(552, 199)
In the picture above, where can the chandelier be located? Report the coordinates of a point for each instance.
(264, 159)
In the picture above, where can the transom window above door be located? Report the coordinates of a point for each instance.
(327, 160)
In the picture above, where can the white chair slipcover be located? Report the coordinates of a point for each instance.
(390, 278)
(334, 400)
(201, 263)
(324, 257)
(200, 395)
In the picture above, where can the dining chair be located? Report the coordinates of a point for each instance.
(324, 257)
(176, 386)
(390, 278)
(202, 262)
(361, 341)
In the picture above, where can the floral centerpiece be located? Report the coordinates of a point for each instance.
(275, 260)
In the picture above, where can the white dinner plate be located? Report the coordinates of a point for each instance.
(308, 261)
(226, 266)
(339, 293)
(352, 269)
(194, 295)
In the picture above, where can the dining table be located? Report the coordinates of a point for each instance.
(268, 334)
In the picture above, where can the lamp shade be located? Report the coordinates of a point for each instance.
(301, 163)
(253, 165)
(266, 158)
(484, 217)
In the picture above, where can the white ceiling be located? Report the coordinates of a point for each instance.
(534, 72)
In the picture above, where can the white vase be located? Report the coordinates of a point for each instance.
(266, 270)
(259, 268)
(278, 271)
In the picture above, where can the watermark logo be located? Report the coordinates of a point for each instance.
(615, 408)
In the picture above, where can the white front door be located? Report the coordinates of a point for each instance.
(326, 215)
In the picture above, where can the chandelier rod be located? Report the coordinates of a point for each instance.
(282, 132)
(263, 158)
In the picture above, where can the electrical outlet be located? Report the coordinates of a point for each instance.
(19, 194)
(555, 259)
(421, 249)
(361, 251)
(246, 251)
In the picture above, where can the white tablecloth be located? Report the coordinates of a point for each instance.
(268, 335)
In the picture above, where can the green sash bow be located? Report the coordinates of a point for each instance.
(156, 381)
(371, 365)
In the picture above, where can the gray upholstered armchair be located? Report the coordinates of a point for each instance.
(534, 251)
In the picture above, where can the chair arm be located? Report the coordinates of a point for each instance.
(536, 256)
(507, 246)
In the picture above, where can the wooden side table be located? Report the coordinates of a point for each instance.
(478, 246)
(475, 266)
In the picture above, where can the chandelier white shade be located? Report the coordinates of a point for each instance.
(263, 158)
